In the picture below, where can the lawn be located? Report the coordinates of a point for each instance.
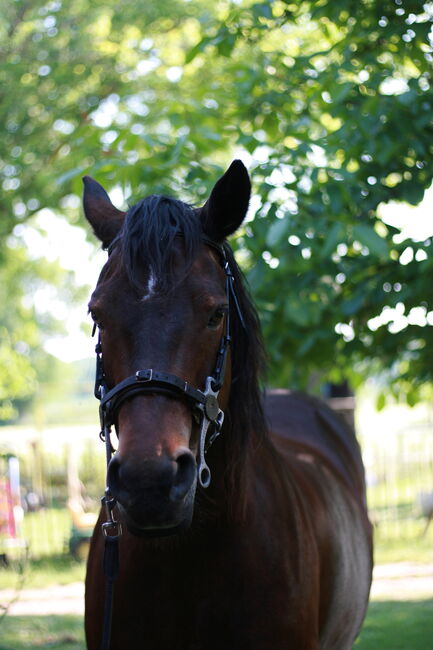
(390, 625)
(398, 625)
(42, 632)
(43, 572)
(414, 547)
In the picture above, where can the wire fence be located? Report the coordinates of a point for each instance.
(61, 477)
(399, 473)
(58, 481)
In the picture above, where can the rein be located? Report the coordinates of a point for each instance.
(205, 409)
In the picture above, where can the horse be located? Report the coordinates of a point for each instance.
(244, 514)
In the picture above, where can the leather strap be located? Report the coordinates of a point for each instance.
(147, 381)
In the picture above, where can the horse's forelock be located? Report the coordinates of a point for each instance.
(148, 236)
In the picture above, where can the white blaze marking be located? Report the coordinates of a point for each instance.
(151, 284)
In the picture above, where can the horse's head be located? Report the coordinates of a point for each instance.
(161, 305)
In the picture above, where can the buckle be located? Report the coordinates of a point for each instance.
(144, 375)
(113, 525)
(211, 407)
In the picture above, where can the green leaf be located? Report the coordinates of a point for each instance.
(333, 238)
(351, 306)
(367, 236)
(69, 175)
(381, 401)
(226, 45)
(198, 48)
(276, 232)
(263, 10)
(412, 397)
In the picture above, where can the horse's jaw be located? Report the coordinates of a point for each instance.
(139, 531)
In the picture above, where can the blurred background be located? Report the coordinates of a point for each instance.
(329, 104)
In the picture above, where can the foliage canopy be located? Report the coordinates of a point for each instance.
(330, 102)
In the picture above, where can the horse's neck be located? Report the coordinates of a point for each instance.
(234, 472)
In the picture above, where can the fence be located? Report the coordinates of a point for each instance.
(399, 466)
(56, 465)
(61, 469)
(399, 472)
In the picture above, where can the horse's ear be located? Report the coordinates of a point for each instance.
(227, 205)
(105, 219)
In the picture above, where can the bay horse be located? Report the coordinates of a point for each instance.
(244, 516)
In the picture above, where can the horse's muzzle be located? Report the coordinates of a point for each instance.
(155, 495)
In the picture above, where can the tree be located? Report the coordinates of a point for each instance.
(336, 106)
(330, 101)
(24, 326)
(59, 64)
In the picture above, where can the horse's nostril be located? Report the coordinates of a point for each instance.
(153, 481)
(185, 474)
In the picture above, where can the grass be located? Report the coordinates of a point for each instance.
(47, 531)
(397, 625)
(390, 547)
(419, 551)
(50, 632)
(390, 625)
(47, 534)
(43, 572)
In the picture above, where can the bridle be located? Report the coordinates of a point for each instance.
(205, 409)
(204, 403)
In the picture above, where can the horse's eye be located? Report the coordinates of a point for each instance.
(96, 319)
(217, 317)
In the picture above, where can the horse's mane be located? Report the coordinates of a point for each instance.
(148, 241)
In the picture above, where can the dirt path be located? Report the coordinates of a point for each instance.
(57, 599)
(402, 581)
(399, 581)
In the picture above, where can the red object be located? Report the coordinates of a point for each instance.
(7, 519)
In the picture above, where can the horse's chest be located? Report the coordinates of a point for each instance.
(228, 600)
